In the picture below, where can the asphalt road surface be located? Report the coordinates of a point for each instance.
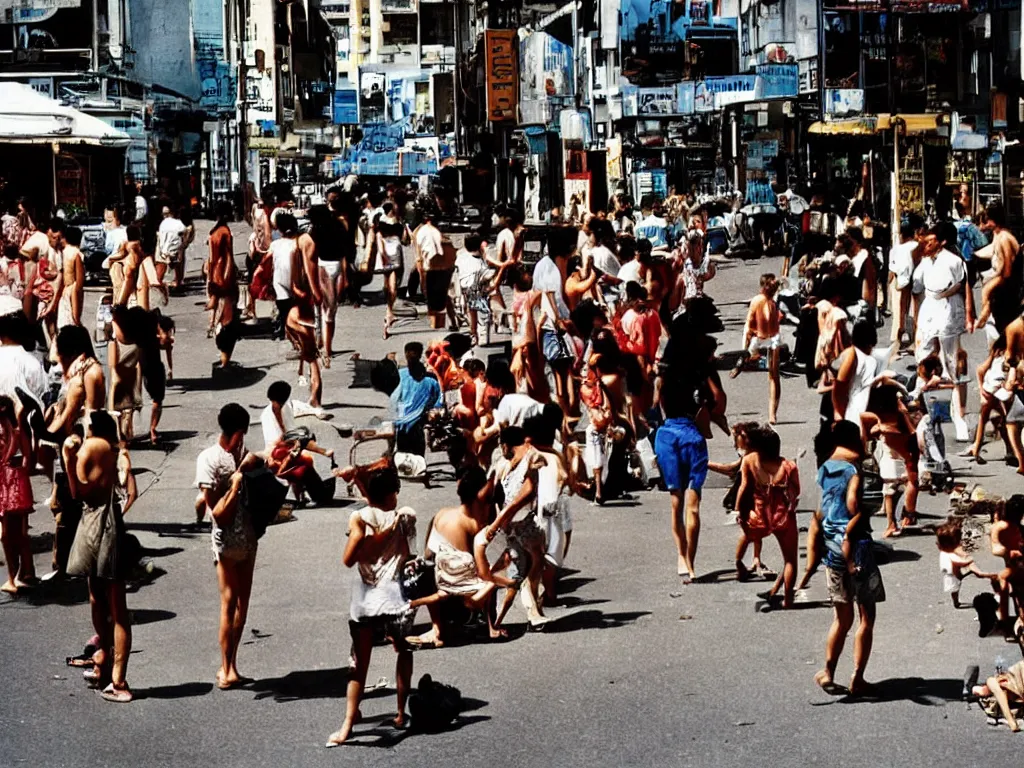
(636, 669)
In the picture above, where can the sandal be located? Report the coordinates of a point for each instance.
(117, 695)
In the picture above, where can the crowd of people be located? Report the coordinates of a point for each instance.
(610, 382)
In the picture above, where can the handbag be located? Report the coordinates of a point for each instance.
(417, 579)
(85, 548)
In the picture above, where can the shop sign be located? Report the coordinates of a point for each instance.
(218, 85)
(760, 153)
(844, 102)
(656, 101)
(685, 98)
(731, 89)
(346, 106)
(502, 75)
(777, 81)
(577, 190)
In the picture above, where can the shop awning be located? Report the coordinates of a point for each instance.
(870, 124)
(28, 117)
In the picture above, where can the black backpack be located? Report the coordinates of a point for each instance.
(434, 706)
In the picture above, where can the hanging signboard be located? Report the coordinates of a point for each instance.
(777, 81)
(731, 89)
(656, 101)
(844, 102)
(502, 75)
(346, 106)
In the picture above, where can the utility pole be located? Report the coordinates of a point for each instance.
(243, 100)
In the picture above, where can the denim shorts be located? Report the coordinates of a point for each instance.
(554, 346)
(682, 455)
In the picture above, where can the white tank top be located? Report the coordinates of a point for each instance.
(860, 385)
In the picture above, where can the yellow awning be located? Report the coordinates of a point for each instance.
(869, 124)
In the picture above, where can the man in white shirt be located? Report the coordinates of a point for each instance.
(549, 280)
(170, 245)
(946, 310)
(141, 206)
(515, 408)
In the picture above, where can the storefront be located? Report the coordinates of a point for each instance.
(57, 156)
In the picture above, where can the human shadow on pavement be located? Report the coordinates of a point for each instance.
(928, 693)
(180, 691)
(236, 377)
(593, 619)
(309, 684)
(150, 615)
(384, 735)
(716, 577)
(565, 586)
(167, 443)
(171, 530)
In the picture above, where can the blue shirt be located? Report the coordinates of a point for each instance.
(969, 238)
(412, 399)
(653, 228)
(833, 480)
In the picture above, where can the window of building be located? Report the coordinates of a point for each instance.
(438, 26)
(400, 29)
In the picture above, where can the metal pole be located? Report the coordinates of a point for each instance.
(95, 35)
(242, 130)
(457, 78)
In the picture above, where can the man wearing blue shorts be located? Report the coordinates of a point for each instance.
(691, 396)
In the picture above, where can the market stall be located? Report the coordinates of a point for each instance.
(56, 155)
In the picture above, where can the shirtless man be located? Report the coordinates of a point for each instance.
(1008, 543)
(997, 311)
(886, 419)
(92, 475)
(40, 245)
(300, 326)
(72, 295)
(460, 572)
(138, 270)
(762, 334)
(222, 276)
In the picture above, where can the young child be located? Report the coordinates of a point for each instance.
(1007, 541)
(762, 335)
(954, 562)
(931, 396)
(16, 502)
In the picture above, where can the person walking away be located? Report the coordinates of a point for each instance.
(381, 537)
(767, 500)
(16, 502)
(300, 327)
(327, 234)
(170, 247)
(762, 334)
(219, 478)
(437, 269)
(853, 576)
(652, 225)
(98, 551)
(284, 252)
(945, 311)
(223, 285)
(690, 394)
(858, 371)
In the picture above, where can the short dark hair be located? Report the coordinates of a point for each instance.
(635, 291)
(72, 341)
(286, 224)
(382, 483)
(561, 242)
(73, 236)
(864, 334)
(279, 392)
(102, 425)
(908, 228)
(474, 366)
(856, 234)
(56, 225)
(996, 213)
(233, 419)
(472, 480)
(765, 441)
(846, 434)
(539, 429)
(473, 243)
(133, 233)
(932, 365)
(414, 348)
(512, 436)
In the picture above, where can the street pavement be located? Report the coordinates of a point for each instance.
(635, 669)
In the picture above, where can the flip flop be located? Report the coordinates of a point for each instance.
(117, 695)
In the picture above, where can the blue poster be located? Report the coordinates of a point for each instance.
(346, 106)
(778, 81)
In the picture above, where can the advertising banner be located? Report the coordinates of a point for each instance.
(502, 75)
(777, 81)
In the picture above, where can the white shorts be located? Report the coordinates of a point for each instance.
(892, 469)
(595, 452)
(757, 346)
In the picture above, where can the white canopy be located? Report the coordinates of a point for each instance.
(28, 117)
